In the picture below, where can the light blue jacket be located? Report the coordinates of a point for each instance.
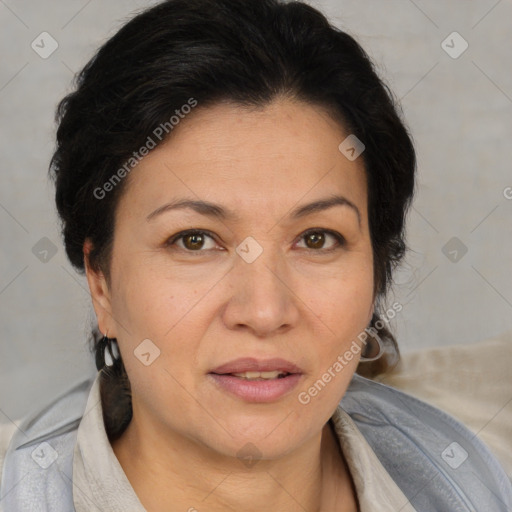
(437, 462)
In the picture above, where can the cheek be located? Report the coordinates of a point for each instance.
(151, 301)
(346, 311)
(343, 299)
(157, 335)
(343, 306)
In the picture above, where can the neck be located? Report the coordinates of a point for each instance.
(186, 476)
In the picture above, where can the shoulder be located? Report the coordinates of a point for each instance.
(472, 382)
(432, 457)
(30, 448)
(56, 417)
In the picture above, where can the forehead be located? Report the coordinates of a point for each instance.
(266, 159)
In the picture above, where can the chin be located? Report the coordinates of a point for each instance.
(265, 439)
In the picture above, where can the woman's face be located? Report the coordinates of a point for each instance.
(280, 268)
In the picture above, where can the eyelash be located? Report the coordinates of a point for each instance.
(340, 240)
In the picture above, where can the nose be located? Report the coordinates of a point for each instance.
(261, 299)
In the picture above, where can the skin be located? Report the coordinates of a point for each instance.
(300, 300)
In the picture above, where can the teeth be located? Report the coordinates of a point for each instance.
(258, 375)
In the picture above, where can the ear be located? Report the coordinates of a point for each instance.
(100, 294)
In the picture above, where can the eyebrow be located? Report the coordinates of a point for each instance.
(216, 211)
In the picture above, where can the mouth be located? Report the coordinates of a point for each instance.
(255, 380)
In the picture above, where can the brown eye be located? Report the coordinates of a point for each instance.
(321, 239)
(315, 240)
(193, 241)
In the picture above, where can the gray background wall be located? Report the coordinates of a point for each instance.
(459, 112)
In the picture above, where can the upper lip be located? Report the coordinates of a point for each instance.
(250, 364)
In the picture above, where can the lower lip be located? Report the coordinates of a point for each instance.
(257, 390)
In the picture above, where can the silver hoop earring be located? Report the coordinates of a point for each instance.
(373, 348)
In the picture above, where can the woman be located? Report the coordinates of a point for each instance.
(233, 178)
